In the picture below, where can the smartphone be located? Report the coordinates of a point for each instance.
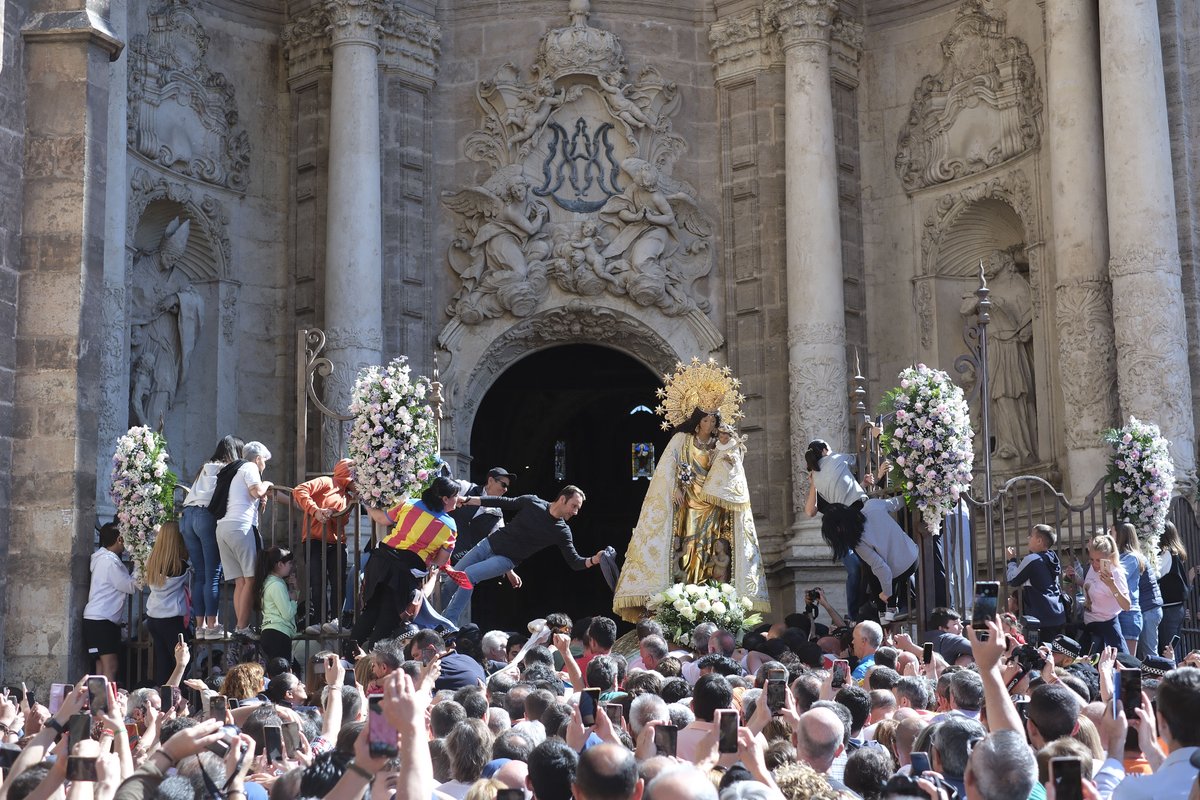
(1131, 691)
(615, 711)
(777, 691)
(841, 673)
(79, 728)
(1067, 776)
(1022, 708)
(382, 734)
(232, 702)
(220, 747)
(217, 708)
(1174, 645)
(273, 738)
(920, 762)
(987, 596)
(319, 666)
(666, 739)
(8, 756)
(81, 768)
(131, 731)
(97, 686)
(166, 697)
(510, 794)
(58, 691)
(291, 738)
(927, 654)
(589, 699)
(727, 724)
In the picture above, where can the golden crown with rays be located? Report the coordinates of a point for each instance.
(699, 384)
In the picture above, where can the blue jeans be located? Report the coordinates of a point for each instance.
(199, 529)
(1105, 633)
(854, 592)
(1172, 623)
(1148, 641)
(480, 564)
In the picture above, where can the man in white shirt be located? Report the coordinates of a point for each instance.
(1178, 718)
(105, 610)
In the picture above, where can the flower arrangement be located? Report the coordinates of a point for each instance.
(928, 438)
(393, 438)
(1141, 477)
(143, 490)
(682, 607)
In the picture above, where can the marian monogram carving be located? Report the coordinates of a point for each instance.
(982, 109)
(581, 197)
(182, 114)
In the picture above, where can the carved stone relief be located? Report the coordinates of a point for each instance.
(1086, 350)
(581, 196)
(982, 109)
(182, 114)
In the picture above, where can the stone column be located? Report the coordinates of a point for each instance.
(1153, 381)
(1075, 138)
(353, 269)
(819, 406)
(59, 320)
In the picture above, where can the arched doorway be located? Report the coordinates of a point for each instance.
(569, 414)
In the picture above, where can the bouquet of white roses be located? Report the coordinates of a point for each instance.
(1142, 478)
(143, 490)
(929, 440)
(393, 438)
(682, 607)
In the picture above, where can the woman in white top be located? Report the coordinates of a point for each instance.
(237, 529)
(199, 529)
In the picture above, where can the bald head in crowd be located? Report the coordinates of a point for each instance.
(684, 783)
(607, 772)
(819, 738)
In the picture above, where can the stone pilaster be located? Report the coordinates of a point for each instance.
(1153, 381)
(816, 325)
(56, 398)
(1075, 138)
(353, 270)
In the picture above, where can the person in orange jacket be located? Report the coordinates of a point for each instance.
(324, 502)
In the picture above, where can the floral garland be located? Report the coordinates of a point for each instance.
(682, 607)
(143, 490)
(929, 438)
(393, 439)
(1141, 477)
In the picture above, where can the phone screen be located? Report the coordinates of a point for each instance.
(841, 671)
(383, 736)
(1131, 691)
(1067, 776)
(97, 686)
(79, 728)
(920, 762)
(588, 700)
(81, 768)
(273, 737)
(510, 794)
(166, 697)
(987, 595)
(615, 711)
(217, 708)
(927, 653)
(666, 739)
(776, 696)
(58, 691)
(727, 735)
(291, 737)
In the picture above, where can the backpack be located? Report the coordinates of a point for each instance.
(220, 497)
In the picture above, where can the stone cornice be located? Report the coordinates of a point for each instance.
(743, 44)
(411, 44)
(62, 26)
(802, 21)
(408, 42)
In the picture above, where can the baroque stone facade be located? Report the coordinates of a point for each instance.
(782, 184)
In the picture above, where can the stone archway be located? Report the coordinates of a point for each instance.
(568, 413)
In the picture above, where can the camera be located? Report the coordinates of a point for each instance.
(1029, 657)
(811, 598)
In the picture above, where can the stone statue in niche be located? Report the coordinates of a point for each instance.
(165, 315)
(599, 150)
(182, 114)
(1010, 360)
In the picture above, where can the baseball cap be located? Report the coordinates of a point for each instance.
(500, 472)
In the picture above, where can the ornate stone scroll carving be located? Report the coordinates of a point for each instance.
(802, 20)
(183, 115)
(982, 109)
(742, 44)
(581, 196)
(1085, 352)
(208, 253)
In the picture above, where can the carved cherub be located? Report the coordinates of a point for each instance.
(588, 245)
(621, 106)
(535, 108)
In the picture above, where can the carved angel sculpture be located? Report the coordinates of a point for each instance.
(505, 270)
(622, 106)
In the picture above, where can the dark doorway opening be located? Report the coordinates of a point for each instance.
(569, 414)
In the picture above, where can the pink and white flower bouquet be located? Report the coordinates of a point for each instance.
(1141, 477)
(393, 438)
(143, 490)
(929, 441)
(683, 606)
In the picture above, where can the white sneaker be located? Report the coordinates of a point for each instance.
(889, 616)
(313, 630)
(215, 632)
(334, 628)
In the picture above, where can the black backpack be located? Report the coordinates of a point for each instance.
(220, 498)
